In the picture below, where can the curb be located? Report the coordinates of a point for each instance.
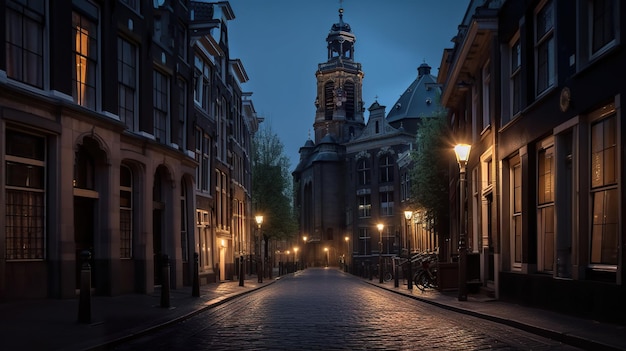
(115, 342)
(568, 339)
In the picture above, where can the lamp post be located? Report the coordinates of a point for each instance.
(462, 152)
(380, 253)
(304, 255)
(345, 260)
(259, 273)
(326, 251)
(407, 219)
(295, 258)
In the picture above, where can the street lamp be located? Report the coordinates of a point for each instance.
(326, 251)
(295, 258)
(380, 253)
(259, 273)
(345, 259)
(304, 254)
(462, 152)
(407, 219)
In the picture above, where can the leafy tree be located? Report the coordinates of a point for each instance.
(429, 177)
(271, 185)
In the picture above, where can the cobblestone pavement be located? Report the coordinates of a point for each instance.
(323, 309)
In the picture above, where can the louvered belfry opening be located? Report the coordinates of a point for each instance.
(349, 104)
(329, 105)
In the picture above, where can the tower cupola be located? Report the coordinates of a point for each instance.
(340, 40)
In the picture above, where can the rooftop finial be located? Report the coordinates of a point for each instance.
(341, 11)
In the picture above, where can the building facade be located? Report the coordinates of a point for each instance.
(108, 125)
(542, 111)
(353, 174)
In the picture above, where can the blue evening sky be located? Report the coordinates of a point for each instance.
(281, 42)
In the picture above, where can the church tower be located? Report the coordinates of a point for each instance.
(339, 104)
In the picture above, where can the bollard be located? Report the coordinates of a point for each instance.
(396, 282)
(84, 302)
(241, 270)
(195, 290)
(165, 284)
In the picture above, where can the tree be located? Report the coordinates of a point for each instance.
(271, 185)
(429, 176)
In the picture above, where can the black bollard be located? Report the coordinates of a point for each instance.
(165, 284)
(396, 282)
(241, 270)
(195, 290)
(84, 302)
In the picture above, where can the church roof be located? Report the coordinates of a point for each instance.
(420, 99)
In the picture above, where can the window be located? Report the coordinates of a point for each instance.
(329, 102)
(133, 4)
(161, 107)
(386, 203)
(516, 77)
(603, 23)
(364, 240)
(516, 209)
(184, 241)
(126, 212)
(204, 237)
(85, 54)
(202, 81)
(545, 208)
(388, 240)
(363, 171)
(198, 157)
(486, 96)
(386, 169)
(182, 114)
(206, 162)
(25, 26)
(25, 196)
(604, 191)
(181, 41)
(127, 82)
(365, 206)
(544, 47)
(405, 186)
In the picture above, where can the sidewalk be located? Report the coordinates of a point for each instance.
(52, 324)
(579, 332)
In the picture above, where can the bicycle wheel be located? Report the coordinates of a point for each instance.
(422, 281)
(388, 276)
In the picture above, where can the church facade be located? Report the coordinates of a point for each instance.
(352, 175)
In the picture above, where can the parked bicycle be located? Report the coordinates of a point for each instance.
(426, 276)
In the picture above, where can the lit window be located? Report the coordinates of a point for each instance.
(604, 192)
(85, 56)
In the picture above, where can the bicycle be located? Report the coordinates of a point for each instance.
(426, 277)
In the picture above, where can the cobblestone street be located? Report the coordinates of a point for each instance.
(324, 309)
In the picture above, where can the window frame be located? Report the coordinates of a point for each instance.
(544, 80)
(28, 19)
(85, 83)
(36, 209)
(126, 85)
